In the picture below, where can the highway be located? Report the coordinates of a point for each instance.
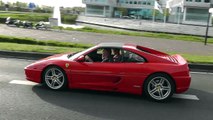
(24, 100)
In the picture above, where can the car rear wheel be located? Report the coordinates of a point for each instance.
(159, 87)
(55, 78)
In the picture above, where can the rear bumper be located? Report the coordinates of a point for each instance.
(182, 83)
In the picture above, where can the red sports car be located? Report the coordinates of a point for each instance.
(114, 67)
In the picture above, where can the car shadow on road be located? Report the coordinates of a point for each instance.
(119, 106)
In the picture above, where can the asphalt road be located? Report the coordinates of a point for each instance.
(35, 102)
(166, 45)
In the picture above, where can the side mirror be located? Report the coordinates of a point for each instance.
(81, 58)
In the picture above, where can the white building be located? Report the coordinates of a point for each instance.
(189, 11)
(181, 11)
(118, 8)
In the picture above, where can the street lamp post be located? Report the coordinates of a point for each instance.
(209, 17)
(207, 29)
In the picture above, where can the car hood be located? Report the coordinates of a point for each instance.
(57, 57)
(63, 56)
(40, 64)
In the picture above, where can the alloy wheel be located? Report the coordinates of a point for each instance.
(54, 78)
(159, 88)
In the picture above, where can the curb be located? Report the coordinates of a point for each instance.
(24, 55)
(201, 67)
(37, 56)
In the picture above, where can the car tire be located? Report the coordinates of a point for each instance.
(159, 87)
(55, 78)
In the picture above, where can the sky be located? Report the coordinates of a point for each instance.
(65, 3)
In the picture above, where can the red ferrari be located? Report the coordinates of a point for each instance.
(114, 67)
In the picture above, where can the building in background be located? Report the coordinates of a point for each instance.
(189, 11)
(175, 11)
(142, 9)
(102, 8)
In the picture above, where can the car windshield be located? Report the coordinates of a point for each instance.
(70, 55)
(80, 53)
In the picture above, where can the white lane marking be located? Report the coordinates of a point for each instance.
(22, 82)
(186, 96)
(202, 73)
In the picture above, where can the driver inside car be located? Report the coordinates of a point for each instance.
(107, 55)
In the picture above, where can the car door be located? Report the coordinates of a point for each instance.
(95, 75)
(134, 71)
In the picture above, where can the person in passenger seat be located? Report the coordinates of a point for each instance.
(117, 55)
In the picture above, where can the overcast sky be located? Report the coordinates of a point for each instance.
(65, 3)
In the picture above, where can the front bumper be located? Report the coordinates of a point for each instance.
(33, 75)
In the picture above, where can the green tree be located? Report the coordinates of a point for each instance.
(167, 12)
(21, 4)
(1, 3)
(10, 4)
(123, 10)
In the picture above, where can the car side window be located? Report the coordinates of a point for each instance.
(100, 55)
(93, 56)
(132, 57)
(105, 55)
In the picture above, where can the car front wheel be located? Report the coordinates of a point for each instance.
(55, 78)
(159, 87)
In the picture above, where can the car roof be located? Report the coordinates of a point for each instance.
(114, 44)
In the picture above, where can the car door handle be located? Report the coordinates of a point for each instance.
(121, 73)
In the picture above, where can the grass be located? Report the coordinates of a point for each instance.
(195, 58)
(33, 17)
(142, 34)
(198, 58)
(192, 58)
(54, 49)
(32, 45)
(31, 41)
(37, 48)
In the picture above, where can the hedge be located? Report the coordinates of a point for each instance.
(32, 41)
(36, 17)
